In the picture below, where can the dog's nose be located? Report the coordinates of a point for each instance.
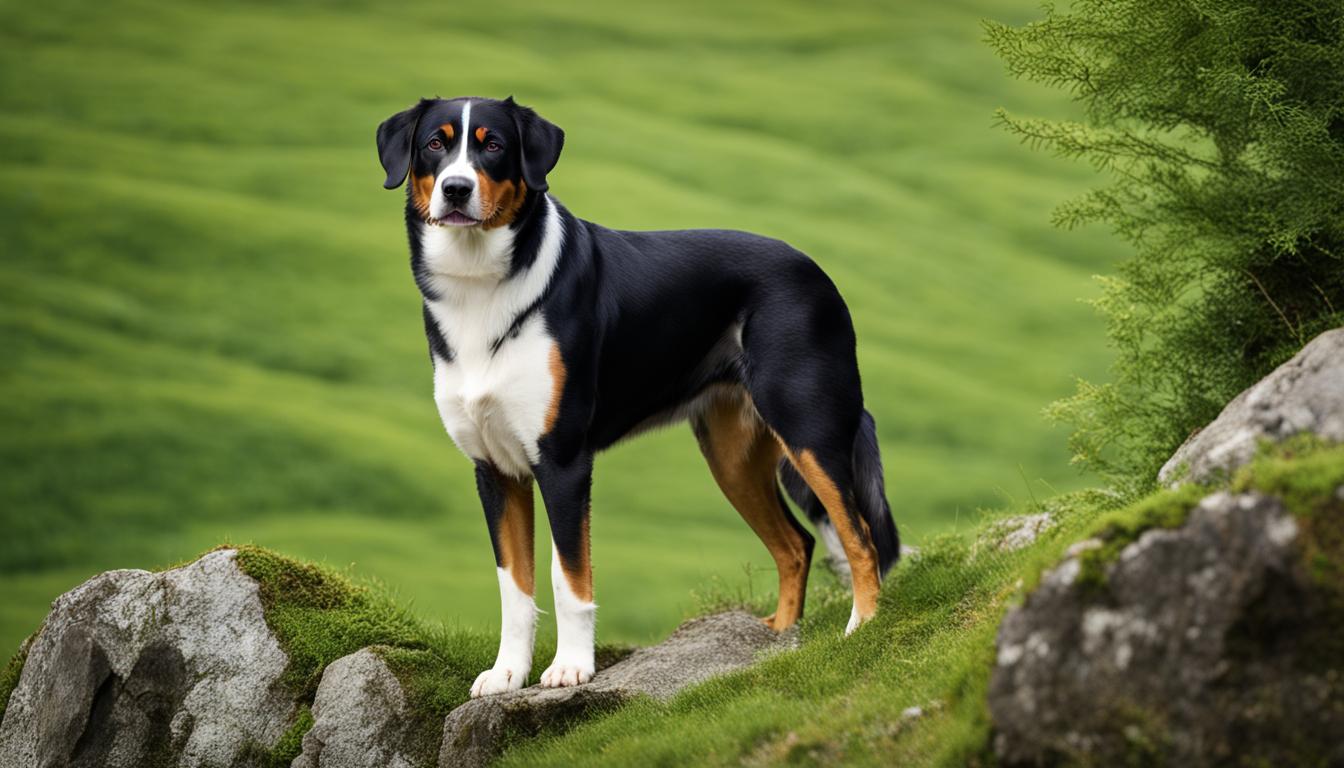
(457, 189)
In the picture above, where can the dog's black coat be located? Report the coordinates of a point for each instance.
(647, 322)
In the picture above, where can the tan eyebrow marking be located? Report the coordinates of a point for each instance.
(448, 130)
(480, 133)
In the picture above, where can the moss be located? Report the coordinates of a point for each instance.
(9, 676)
(433, 684)
(1118, 529)
(291, 744)
(1303, 471)
(319, 616)
(1147, 738)
(1306, 474)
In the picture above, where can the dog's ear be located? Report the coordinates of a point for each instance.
(541, 142)
(394, 143)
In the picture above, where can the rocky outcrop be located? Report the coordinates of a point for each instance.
(135, 668)
(180, 668)
(1305, 394)
(1208, 644)
(361, 719)
(699, 649)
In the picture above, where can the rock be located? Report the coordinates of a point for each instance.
(135, 668)
(361, 719)
(1305, 394)
(697, 650)
(1204, 645)
(1014, 533)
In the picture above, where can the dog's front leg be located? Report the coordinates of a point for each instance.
(508, 511)
(566, 490)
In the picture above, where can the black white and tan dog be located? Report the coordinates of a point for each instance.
(552, 338)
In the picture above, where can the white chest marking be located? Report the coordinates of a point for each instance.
(493, 404)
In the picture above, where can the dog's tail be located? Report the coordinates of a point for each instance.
(870, 494)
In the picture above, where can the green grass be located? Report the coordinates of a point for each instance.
(835, 700)
(319, 616)
(210, 333)
(291, 743)
(9, 677)
(839, 701)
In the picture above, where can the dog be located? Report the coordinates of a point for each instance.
(552, 338)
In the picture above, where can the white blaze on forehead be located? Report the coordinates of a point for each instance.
(438, 207)
(466, 133)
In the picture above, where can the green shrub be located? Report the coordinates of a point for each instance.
(1221, 125)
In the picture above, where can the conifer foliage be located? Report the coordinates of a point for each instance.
(1219, 125)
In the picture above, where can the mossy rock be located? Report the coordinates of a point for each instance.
(1198, 628)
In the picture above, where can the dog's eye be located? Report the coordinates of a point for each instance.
(435, 144)
(492, 146)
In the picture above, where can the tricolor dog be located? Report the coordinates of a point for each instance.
(552, 338)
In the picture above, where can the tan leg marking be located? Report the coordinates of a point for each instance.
(558, 374)
(743, 458)
(515, 533)
(857, 540)
(579, 573)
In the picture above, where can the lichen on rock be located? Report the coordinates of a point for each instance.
(1192, 651)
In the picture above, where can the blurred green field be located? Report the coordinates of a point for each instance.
(209, 331)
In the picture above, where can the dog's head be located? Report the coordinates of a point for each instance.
(472, 162)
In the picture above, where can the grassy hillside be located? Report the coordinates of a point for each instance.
(843, 701)
(209, 332)
(835, 700)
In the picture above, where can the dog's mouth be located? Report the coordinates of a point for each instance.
(453, 219)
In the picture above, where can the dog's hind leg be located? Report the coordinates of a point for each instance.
(833, 484)
(743, 456)
(509, 514)
(801, 370)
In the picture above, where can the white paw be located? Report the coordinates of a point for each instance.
(562, 674)
(498, 680)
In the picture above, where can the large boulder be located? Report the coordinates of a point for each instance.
(1208, 644)
(1305, 394)
(136, 669)
(361, 719)
(701, 648)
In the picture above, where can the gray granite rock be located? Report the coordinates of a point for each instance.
(361, 719)
(1208, 644)
(1305, 394)
(698, 650)
(135, 668)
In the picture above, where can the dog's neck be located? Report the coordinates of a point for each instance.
(466, 253)
(505, 270)
(471, 258)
